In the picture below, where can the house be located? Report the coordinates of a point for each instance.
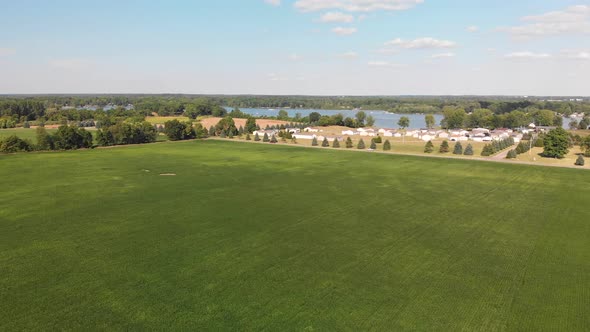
(293, 130)
(304, 136)
(426, 138)
(267, 132)
(311, 130)
(388, 134)
(348, 132)
(443, 135)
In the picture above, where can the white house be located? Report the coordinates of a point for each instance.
(304, 136)
(443, 135)
(426, 138)
(311, 130)
(348, 132)
(293, 130)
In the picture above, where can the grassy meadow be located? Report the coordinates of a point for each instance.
(281, 238)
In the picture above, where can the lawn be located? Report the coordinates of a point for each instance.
(281, 238)
(24, 133)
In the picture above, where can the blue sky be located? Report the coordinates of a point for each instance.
(315, 47)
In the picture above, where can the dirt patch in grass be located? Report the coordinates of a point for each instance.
(168, 174)
(208, 122)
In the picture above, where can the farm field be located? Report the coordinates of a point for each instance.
(24, 133)
(276, 237)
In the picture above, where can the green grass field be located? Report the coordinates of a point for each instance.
(279, 238)
(24, 133)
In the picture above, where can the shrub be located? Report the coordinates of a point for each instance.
(222, 134)
(325, 142)
(231, 135)
(458, 148)
(12, 144)
(377, 139)
(336, 144)
(386, 146)
(373, 146)
(256, 137)
(26, 124)
(348, 143)
(248, 138)
(314, 142)
(511, 154)
(580, 161)
(361, 145)
(273, 139)
(468, 150)
(429, 147)
(265, 138)
(444, 147)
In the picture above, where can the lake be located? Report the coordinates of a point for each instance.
(382, 119)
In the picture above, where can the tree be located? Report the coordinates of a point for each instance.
(348, 143)
(44, 140)
(511, 154)
(13, 144)
(585, 146)
(273, 139)
(227, 125)
(265, 138)
(336, 144)
(256, 137)
(373, 146)
(325, 142)
(250, 125)
(584, 123)
(580, 161)
(230, 135)
(458, 148)
(429, 147)
(241, 131)
(444, 147)
(556, 143)
(361, 145)
(283, 115)
(377, 139)
(314, 141)
(211, 131)
(370, 121)
(430, 122)
(176, 130)
(223, 134)
(314, 117)
(468, 150)
(71, 138)
(360, 118)
(248, 138)
(404, 122)
(454, 117)
(386, 146)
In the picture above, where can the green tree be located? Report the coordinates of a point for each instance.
(265, 138)
(335, 144)
(430, 122)
(176, 130)
(511, 154)
(377, 139)
(580, 161)
(458, 148)
(556, 143)
(256, 137)
(227, 125)
(13, 144)
(361, 145)
(468, 150)
(373, 145)
(314, 117)
(314, 141)
(283, 115)
(248, 138)
(454, 117)
(585, 146)
(250, 125)
(44, 140)
(404, 122)
(325, 142)
(429, 147)
(348, 143)
(370, 121)
(273, 139)
(211, 131)
(444, 147)
(360, 118)
(386, 146)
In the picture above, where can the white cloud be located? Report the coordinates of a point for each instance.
(571, 20)
(421, 43)
(442, 55)
(576, 55)
(527, 55)
(336, 17)
(344, 31)
(273, 2)
(385, 64)
(387, 51)
(348, 55)
(473, 28)
(7, 51)
(295, 57)
(356, 5)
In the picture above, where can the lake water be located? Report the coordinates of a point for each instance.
(382, 119)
